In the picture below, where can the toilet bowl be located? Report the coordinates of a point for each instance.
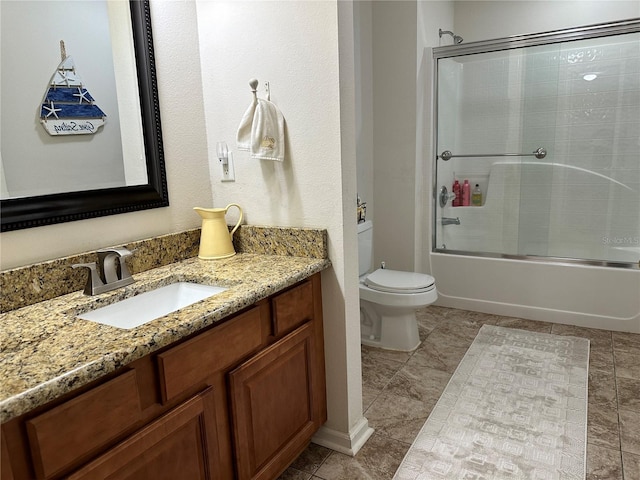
(389, 300)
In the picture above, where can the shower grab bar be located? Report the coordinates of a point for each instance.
(538, 153)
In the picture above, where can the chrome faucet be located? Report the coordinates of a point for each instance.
(109, 276)
(450, 221)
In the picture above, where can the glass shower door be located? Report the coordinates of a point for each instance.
(578, 100)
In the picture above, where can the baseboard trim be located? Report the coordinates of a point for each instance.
(350, 443)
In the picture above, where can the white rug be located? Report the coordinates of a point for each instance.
(515, 408)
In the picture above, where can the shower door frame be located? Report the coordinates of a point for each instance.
(509, 43)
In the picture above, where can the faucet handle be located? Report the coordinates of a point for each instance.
(93, 279)
(122, 253)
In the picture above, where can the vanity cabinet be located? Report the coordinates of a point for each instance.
(239, 400)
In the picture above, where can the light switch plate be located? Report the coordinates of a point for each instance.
(228, 173)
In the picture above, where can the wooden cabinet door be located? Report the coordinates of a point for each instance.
(74, 432)
(180, 444)
(273, 405)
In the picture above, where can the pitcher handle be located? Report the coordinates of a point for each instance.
(239, 219)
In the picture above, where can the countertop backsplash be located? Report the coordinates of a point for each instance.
(43, 281)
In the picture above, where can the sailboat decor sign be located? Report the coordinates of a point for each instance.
(67, 107)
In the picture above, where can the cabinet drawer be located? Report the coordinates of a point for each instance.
(63, 435)
(179, 445)
(184, 366)
(292, 308)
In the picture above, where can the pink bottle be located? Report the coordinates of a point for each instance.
(457, 191)
(466, 194)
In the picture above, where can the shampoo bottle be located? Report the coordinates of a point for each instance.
(457, 191)
(466, 194)
(476, 196)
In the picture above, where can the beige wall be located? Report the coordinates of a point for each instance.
(483, 20)
(364, 103)
(394, 132)
(299, 48)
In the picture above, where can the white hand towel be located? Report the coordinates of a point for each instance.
(267, 132)
(261, 129)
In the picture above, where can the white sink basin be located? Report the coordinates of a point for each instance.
(135, 311)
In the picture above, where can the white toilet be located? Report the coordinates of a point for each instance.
(389, 299)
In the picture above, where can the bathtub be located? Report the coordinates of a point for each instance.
(583, 292)
(583, 295)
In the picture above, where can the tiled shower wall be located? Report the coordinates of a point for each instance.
(517, 101)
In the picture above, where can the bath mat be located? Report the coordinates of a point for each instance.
(515, 408)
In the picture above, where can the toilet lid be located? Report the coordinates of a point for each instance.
(396, 281)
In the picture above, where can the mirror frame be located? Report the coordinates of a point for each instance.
(28, 212)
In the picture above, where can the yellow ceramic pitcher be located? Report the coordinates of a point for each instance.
(215, 238)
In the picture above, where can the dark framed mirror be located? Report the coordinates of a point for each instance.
(33, 211)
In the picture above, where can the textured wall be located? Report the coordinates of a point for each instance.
(295, 47)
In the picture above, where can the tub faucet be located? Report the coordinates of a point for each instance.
(450, 221)
(109, 276)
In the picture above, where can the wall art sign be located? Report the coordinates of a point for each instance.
(67, 107)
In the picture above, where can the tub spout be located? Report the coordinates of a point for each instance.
(450, 221)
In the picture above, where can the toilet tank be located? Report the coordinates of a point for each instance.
(365, 247)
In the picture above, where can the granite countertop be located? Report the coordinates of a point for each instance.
(46, 351)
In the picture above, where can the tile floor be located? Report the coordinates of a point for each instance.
(400, 389)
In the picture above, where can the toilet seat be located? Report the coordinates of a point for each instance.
(395, 281)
